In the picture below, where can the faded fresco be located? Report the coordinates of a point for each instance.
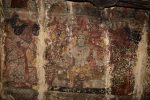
(78, 54)
(56, 50)
(20, 57)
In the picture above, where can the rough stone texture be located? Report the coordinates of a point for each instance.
(76, 52)
(71, 96)
(20, 57)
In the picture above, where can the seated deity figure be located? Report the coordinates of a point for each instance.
(81, 73)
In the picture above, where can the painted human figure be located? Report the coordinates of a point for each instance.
(82, 67)
(80, 52)
(20, 57)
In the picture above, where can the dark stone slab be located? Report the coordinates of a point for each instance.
(80, 90)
